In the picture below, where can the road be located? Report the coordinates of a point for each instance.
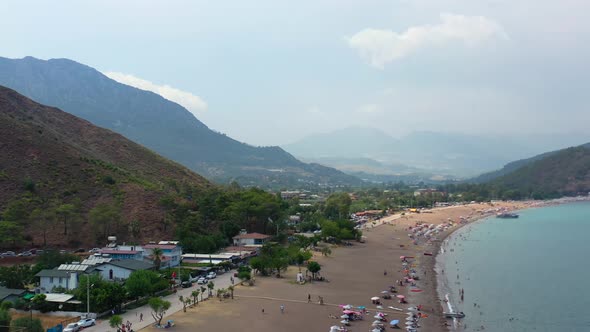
(222, 281)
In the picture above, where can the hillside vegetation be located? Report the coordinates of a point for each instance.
(64, 181)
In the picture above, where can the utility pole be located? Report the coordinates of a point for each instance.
(88, 296)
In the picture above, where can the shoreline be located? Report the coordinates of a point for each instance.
(355, 274)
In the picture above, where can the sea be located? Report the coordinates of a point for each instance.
(525, 274)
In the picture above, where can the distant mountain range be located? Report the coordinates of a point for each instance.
(430, 154)
(51, 158)
(159, 124)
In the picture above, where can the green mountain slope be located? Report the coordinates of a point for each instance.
(52, 159)
(563, 172)
(159, 124)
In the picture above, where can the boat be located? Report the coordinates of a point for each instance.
(454, 314)
(507, 215)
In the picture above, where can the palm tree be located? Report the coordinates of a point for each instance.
(203, 289)
(157, 253)
(210, 285)
(195, 295)
(181, 299)
(231, 291)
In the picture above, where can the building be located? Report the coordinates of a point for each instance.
(51, 279)
(122, 253)
(9, 294)
(250, 239)
(118, 270)
(172, 254)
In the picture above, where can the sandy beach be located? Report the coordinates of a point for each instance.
(355, 274)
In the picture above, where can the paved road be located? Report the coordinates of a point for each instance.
(222, 281)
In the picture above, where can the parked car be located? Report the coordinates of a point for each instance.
(80, 250)
(72, 327)
(9, 254)
(211, 275)
(94, 250)
(186, 284)
(87, 322)
(202, 281)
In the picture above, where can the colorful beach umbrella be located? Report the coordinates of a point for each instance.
(394, 322)
(400, 296)
(375, 298)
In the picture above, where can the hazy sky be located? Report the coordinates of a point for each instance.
(271, 72)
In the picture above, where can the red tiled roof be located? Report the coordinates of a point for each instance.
(161, 246)
(251, 236)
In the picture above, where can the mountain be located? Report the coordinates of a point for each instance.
(516, 165)
(159, 124)
(434, 153)
(51, 158)
(563, 172)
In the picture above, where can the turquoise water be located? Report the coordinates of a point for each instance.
(525, 274)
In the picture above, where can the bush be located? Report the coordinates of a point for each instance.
(19, 304)
(5, 305)
(244, 275)
(244, 268)
(27, 324)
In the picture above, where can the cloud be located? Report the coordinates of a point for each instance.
(314, 110)
(379, 47)
(370, 109)
(195, 104)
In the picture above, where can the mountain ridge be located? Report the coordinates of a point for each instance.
(157, 123)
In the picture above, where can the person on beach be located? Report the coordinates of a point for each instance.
(141, 317)
(282, 309)
(384, 272)
(263, 311)
(308, 298)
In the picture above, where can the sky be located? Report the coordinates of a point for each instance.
(272, 72)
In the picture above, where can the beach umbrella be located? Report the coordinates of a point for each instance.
(344, 316)
(348, 307)
(410, 279)
(376, 330)
(377, 317)
(344, 321)
(394, 322)
(385, 292)
(348, 312)
(375, 298)
(402, 257)
(416, 290)
(362, 307)
(400, 296)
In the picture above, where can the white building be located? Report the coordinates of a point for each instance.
(117, 270)
(250, 239)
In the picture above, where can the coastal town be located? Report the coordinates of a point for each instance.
(382, 277)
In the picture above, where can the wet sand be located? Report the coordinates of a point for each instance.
(355, 275)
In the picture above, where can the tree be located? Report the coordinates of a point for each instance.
(203, 289)
(183, 302)
(27, 324)
(11, 233)
(159, 307)
(195, 295)
(244, 275)
(105, 218)
(115, 321)
(43, 218)
(210, 286)
(67, 212)
(157, 254)
(5, 319)
(258, 264)
(314, 267)
(231, 291)
(144, 282)
(16, 276)
(39, 302)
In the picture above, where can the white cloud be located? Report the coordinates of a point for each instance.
(370, 109)
(379, 47)
(191, 102)
(314, 110)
